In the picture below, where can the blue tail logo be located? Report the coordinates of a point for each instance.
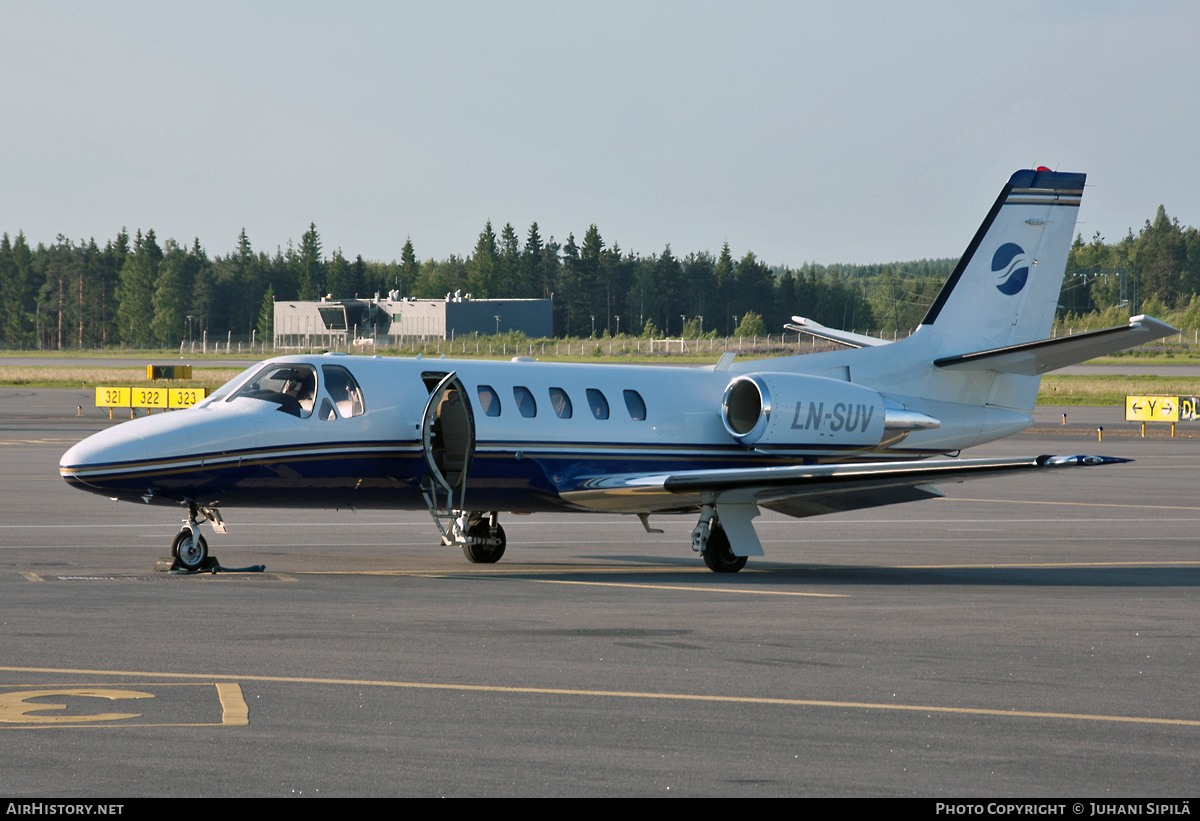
(1010, 263)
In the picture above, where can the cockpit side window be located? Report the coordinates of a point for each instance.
(293, 386)
(343, 389)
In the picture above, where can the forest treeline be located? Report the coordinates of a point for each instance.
(1156, 272)
(138, 292)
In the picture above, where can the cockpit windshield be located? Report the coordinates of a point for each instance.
(292, 385)
(223, 391)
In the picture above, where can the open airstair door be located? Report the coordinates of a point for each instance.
(448, 442)
(448, 439)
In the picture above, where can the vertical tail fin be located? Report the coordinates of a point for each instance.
(1005, 289)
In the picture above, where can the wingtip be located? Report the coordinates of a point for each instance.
(1080, 460)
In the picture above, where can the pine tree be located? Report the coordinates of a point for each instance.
(1160, 257)
(568, 275)
(409, 269)
(170, 295)
(339, 278)
(481, 270)
(266, 317)
(135, 294)
(508, 268)
(726, 288)
(18, 297)
(309, 264)
(668, 276)
(587, 281)
(529, 285)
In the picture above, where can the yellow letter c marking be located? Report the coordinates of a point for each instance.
(15, 709)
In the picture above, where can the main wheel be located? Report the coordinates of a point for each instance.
(191, 553)
(718, 555)
(482, 553)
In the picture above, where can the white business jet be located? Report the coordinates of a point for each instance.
(802, 435)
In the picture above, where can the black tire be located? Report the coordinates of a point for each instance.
(718, 554)
(190, 555)
(482, 553)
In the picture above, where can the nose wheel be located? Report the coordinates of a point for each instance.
(189, 550)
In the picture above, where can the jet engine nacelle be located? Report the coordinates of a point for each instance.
(795, 409)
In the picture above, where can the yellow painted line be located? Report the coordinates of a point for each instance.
(515, 569)
(234, 711)
(206, 577)
(1037, 564)
(742, 590)
(508, 575)
(39, 441)
(633, 694)
(1073, 504)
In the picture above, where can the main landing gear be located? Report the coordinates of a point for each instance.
(718, 554)
(711, 541)
(189, 550)
(479, 535)
(485, 540)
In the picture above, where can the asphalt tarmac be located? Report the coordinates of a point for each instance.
(1030, 636)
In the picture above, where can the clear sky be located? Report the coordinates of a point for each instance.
(829, 132)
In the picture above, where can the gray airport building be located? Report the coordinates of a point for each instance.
(396, 319)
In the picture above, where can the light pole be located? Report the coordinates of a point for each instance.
(593, 325)
(497, 318)
(618, 318)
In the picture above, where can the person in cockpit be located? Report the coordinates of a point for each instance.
(301, 387)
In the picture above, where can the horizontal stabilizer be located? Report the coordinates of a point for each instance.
(816, 329)
(800, 490)
(1035, 358)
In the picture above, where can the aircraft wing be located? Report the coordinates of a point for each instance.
(800, 490)
(1035, 358)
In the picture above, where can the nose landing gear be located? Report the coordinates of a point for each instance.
(189, 550)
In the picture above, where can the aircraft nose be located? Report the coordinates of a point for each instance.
(93, 464)
(108, 447)
(110, 462)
